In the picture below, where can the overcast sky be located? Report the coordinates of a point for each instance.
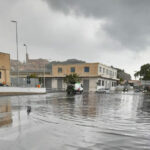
(113, 32)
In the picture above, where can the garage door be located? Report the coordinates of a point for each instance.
(86, 85)
(48, 83)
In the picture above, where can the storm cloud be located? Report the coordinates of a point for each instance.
(127, 21)
(113, 32)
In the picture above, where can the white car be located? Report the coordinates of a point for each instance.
(103, 91)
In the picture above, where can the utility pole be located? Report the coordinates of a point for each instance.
(13, 21)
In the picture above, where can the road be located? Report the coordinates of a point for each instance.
(82, 122)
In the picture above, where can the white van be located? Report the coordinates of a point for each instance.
(78, 87)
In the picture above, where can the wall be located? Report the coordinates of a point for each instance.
(21, 90)
(54, 83)
(92, 84)
(79, 69)
(5, 68)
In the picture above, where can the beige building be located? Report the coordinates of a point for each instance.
(93, 75)
(5, 68)
(83, 70)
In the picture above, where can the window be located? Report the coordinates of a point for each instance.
(113, 84)
(59, 70)
(72, 69)
(86, 69)
(0, 75)
(99, 82)
(103, 70)
(112, 73)
(100, 69)
(107, 71)
(102, 82)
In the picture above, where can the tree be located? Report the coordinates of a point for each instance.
(144, 72)
(72, 79)
(33, 75)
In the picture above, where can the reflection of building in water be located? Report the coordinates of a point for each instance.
(86, 105)
(5, 113)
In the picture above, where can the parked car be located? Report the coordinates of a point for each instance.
(137, 90)
(125, 90)
(103, 91)
(1, 84)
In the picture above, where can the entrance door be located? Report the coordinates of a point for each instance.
(59, 84)
(86, 85)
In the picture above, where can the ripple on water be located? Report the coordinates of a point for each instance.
(88, 121)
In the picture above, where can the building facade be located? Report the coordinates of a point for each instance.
(4, 68)
(93, 75)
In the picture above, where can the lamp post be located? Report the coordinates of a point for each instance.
(13, 21)
(44, 71)
(25, 47)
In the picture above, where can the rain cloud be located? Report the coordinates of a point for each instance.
(127, 21)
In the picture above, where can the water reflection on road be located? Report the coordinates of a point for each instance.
(81, 122)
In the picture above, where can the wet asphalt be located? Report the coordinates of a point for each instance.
(91, 121)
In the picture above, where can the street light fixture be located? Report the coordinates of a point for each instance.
(26, 51)
(25, 47)
(13, 21)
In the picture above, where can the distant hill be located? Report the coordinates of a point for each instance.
(68, 61)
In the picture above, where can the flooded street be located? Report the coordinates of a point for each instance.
(81, 122)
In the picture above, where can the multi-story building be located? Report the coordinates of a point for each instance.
(5, 68)
(93, 75)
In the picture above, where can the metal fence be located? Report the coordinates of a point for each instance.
(23, 82)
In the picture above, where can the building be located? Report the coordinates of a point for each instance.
(135, 83)
(93, 75)
(122, 75)
(4, 68)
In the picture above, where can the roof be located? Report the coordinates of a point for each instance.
(73, 64)
(4, 53)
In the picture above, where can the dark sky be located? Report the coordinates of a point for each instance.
(113, 32)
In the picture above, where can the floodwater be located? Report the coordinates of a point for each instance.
(81, 122)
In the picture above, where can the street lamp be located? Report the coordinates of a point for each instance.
(13, 21)
(44, 71)
(26, 58)
(25, 47)
(26, 51)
